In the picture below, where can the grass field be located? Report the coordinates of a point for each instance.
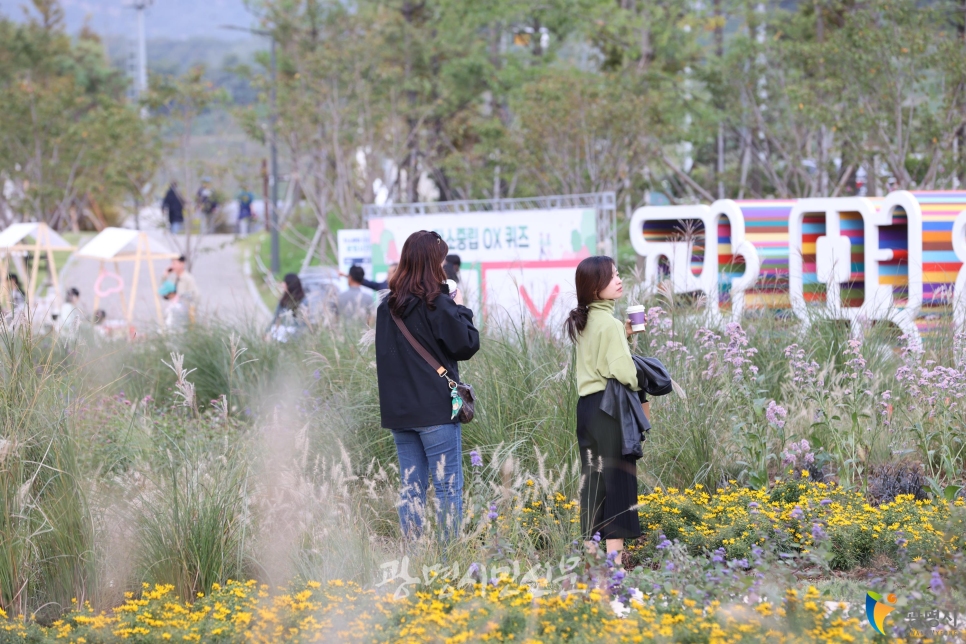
(185, 461)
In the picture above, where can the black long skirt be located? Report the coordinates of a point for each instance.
(608, 481)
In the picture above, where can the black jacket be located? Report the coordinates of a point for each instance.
(375, 286)
(411, 393)
(624, 406)
(173, 204)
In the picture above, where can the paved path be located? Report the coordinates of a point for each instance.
(217, 264)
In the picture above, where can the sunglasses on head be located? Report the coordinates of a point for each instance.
(436, 235)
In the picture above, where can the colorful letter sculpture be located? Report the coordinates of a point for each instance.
(901, 258)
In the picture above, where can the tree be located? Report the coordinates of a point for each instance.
(61, 107)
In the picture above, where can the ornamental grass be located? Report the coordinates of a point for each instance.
(789, 458)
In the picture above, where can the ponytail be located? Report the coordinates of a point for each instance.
(592, 276)
(576, 322)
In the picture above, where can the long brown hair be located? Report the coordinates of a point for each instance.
(593, 276)
(420, 272)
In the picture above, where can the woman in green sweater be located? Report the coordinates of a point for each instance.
(608, 487)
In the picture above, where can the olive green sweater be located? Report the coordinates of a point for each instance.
(602, 351)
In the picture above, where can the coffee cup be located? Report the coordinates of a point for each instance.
(452, 287)
(638, 317)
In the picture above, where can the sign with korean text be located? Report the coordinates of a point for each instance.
(354, 250)
(514, 264)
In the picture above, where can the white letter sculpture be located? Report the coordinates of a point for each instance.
(833, 261)
(679, 252)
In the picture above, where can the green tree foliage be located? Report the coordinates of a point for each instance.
(457, 99)
(70, 144)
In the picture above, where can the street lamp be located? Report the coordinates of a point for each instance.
(141, 82)
(272, 118)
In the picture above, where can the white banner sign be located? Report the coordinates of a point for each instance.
(354, 250)
(514, 264)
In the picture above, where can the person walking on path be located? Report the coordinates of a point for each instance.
(173, 204)
(414, 400)
(245, 200)
(609, 479)
(207, 203)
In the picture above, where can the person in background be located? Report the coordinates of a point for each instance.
(451, 266)
(69, 319)
(377, 286)
(207, 203)
(414, 401)
(353, 302)
(245, 199)
(608, 489)
(100, 315)
(289, 313)
(18, 301)
(179, 288)
(173, 205)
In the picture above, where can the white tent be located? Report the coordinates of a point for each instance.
(14, 245)
(125, 245)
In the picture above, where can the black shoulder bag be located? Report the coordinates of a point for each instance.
(460, 390)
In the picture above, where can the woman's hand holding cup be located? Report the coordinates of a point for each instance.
(637, 319)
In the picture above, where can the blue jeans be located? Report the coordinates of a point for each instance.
(177, 227)
(436, 450)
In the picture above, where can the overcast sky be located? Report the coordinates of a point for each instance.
(165, 18)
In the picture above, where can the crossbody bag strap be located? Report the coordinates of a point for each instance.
(420, 349)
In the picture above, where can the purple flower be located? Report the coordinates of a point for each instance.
(753, 505)
(618, 575)
(670, 566)
(742, 563)
(936, 583)
(596, 537)
(317, 375)
(718, 556)
(797, 512)
(776, 414)
(825, 502)
(664, 544)
(901, 542)
(475, 459)
(818, 533)
(492, 515)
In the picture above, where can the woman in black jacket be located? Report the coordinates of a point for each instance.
(414, 400)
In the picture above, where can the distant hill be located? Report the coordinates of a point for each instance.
(173, 19)
(174, 57)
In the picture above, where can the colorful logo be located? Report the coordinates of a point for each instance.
(877, 608)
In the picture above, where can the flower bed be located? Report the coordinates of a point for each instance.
(344, 612)
(795, 513)
(725, 569)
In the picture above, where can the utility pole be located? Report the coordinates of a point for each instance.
(272, 122)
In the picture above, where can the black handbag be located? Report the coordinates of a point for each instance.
(652, 376)
(468, 408)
